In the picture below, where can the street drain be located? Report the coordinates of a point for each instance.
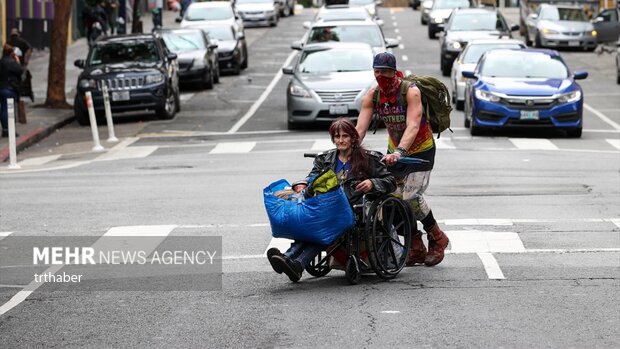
(171, 167)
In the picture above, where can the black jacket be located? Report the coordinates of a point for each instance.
(383, 181)
(10, 74)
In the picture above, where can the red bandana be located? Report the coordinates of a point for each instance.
(389, 87)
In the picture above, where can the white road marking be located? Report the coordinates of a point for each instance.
(186, 97)
(38, 161)
(23, 294)
(390, 312)
(280, 244)
(477, 221)
(614, 142)
(401, 46)
(616, 221)
(489, 262)
(4, 234)
(476, 241)
(322, 144)
(262, 97)
(602, 116)
(233, 148)
(395, 24)
(444, 143)
(399, 38)
(405, 58)
(127, 153)
(533, 144)
(140, 230)
(396, 30)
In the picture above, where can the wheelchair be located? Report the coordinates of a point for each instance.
(378, 242)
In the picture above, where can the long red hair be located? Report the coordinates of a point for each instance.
(359, 157)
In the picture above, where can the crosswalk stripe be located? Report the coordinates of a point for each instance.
(41, 160)
(476, 241)
(322, 144)
(533, 144)
(614, 142)
(444, 143)
(127, 153)
(186, 97)
(233, 148)
(491, 266)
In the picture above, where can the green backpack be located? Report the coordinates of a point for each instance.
(436, 105)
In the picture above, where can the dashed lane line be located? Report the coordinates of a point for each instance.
(233, 148)
(533, 144)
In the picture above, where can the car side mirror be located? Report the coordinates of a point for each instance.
(79, 63)
(532, 16)
(240, 35)
(171, 56)
(598, 20)
(391, 43)
(178, 19)
(307, 24)
(213, 46)
(287, 70)
(297, 45)
(469, 74)
(514, 27)
(580, 75)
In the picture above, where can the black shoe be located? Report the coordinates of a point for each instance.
(291, 268)
(5, 133)
(274, 252)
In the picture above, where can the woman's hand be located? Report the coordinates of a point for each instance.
(299, 187)
(364, 186)
(391, 159)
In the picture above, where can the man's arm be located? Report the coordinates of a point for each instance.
(365, 117)
(414, 117)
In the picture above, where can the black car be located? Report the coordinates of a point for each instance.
(139, 72)
(468, 24)
(197, 55)
(232, 50)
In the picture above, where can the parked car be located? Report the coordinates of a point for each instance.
(328, 81)
(347, 31)
(213, 13)
(467, 24)
(335, 13)
(231, 47)
(139, 72)
(370, 5)
(607, 24)
(258, 12)
(560, 26)
(467, 60)
(439, 13)
(425, 10)
(197, 55)
(287, 7)
(618, 62)
(523, 88)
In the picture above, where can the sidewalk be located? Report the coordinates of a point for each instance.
(44, 121)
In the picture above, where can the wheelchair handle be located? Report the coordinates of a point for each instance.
(310, 155)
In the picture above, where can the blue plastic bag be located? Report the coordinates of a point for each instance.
(320, 219)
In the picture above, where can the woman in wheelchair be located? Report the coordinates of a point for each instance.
(359, 172)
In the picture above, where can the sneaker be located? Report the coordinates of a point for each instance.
(274, 252)
(291, 268)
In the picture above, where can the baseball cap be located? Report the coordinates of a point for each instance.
(384, 60)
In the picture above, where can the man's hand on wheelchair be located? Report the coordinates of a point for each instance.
(364, 186)
(391, 159)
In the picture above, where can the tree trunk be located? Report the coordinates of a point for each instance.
(136, 23)
(58, 55)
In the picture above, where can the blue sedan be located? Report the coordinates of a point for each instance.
(523, 89)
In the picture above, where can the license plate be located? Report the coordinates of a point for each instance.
(337, 109)
(573, 43)
(120, 95)
(529, 114)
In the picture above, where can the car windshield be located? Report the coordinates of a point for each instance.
(208, 13)
(335, 60)
(474, 22)
(358, 33)
(447, 4)
(221, 33)
(183, 42)
(127, 51)
(533, 65)
(348, 14)
(361, 2)
(564, 14)
(473, 52)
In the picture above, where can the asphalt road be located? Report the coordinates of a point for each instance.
(534, 223)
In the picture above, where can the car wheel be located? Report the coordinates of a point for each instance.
(292, 126)
(216, 79)
(528, 42)
(460, 105)
(445, 68)
(467, 122)
(474, 130)
(170, 106)
(286, 11)
(538, 42)
(81, 114)
(431, 33)
(292, 10)
(618, 79)
(574, 133)
(244, 65)
(208, 81)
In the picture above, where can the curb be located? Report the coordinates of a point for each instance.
(34, 136)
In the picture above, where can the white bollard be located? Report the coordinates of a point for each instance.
(108, 115)
(93, 122)
(10, 105)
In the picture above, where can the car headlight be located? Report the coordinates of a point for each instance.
(547, 31)
(593, 33)
(371, 11)
(88, 83)
(298, 91)
(487, 96)
(570, 97)
(455, 45)
(154, 78)
(438, 20)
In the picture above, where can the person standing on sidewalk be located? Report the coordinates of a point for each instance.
(409, 134)
(10, 80)
(111, 9)
(24, 53)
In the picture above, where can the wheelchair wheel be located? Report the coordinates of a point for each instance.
(388, 232)
(319, 266)
(352, 270)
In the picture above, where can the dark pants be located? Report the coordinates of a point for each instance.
(6, 93)
(303, 252)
